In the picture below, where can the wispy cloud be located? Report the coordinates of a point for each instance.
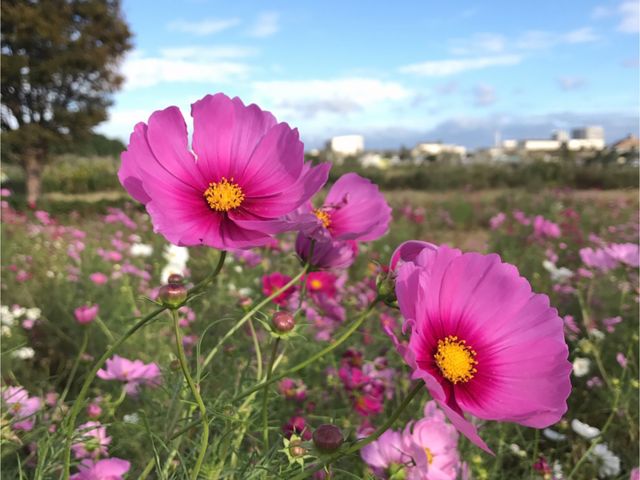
(266, 24)
(630, 13)
(202, 52)
(480, 43)
(540, 39)
(571, 83)
(203, 27)
(309, 98)
(443, 68)
(484, 95)
(146, 71)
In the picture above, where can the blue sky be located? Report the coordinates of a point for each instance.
(399, 74)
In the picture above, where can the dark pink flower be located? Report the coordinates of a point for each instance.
(292, 389)
(299, 426)
(274, 282)
(249, 174)
(321, 283)
(107, 469)
(86, 313)
(132, 373)
(482, 341)
(98, 278)
(333, 254)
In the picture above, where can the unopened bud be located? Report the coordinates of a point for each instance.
(173, 295)
(327, 438)
(283, 321)
(175, 279)
(296, 449)
(386, 287)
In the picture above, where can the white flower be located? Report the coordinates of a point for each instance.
(237, 268)
(516, 450)
(584, 430)
(24, 353)
(553, 435)
(141, 250)
(596, 334)
(33, 313)
(610, 466)
(176, 255)
(5, 331)
(131, 418)
(17, 311)
(7, 318)
(245, 292)
(581, 366)
(557, 471)
(558, 275)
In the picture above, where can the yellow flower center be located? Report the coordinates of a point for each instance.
(316, 284)
(16, 407)
(324, 217)
(455, 359)
(224, 195)
(429, 455)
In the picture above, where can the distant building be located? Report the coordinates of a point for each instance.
(628, 144)
(437, 148)
(374, 159)
(588, 133)
(587, 138)
(347, 145)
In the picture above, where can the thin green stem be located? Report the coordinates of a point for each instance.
(356, 446)
(105, 329)
(339, 341)
(209, 278)
(204, 440)
(77, 404)
(76, 364)
(265, 395)
(120, 399)
(256, 346)
(249, 315)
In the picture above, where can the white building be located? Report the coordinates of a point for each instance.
(437, 148)
(346, 145)
(373, 159)
(587, 138)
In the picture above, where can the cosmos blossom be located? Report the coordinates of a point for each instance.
(93, 441)
(334, 254)
(246, 174)
(482, 341)
(107, 469)
(133, 373)
(275, 281)
(21, 407)
(86, 313)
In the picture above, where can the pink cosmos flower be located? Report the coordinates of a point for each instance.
(321, 283)
(610, 323)
(482, 341)
(247, 173)
(598, 258)
(497, 220)
(94, 410)
(297, 425)
(93, 441)
(292, 389)
(98, 278)
(433, 443)
(21, 407)
(327, 254)
(275, 281)
(133, 373)
(621, 359)
(635, 474)
(627, 253)
(86, 313)
(545, 228)
(387, 454)
(107, 469)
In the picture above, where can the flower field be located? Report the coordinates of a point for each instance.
(566, 243)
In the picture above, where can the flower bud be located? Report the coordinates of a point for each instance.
(386, 287)
(173, 295)
(327, 438)
(283, 321)
(175, 279)
(296, 449)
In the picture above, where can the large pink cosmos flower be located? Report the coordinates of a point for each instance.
(107, 469)
(482, 341)
(245, 175)
(133, 373)
(21, 406)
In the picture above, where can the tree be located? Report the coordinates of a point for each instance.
(59, 69)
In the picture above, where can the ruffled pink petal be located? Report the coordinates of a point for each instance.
(226, 132)
(408, 252)
(129, 174)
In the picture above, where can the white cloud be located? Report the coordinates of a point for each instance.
(146, 71)
(308, 98)
(206, 26)
(484, 95)
(202, 52)
(630, 12)
(266, 25)
(442, 68)
(571, 83)
(539, 39)
(480, 43)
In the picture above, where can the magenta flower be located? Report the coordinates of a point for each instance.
(98, 278)
(408, 252)
(107, 469)
(86, 314)
(93, 441)
(497, 220)
(327, 254)
(482, 341)
(545, 228)
(21, 407)
(321, 283)
(274, 282)
(132, 373)
(627, 253)
(292, 389)
(298, 426)
(598, 258)
(247, 173)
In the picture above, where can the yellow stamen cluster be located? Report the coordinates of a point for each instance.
(429, 455)
(456, 360)
(224, 195)
(324, 217)
(315, 284)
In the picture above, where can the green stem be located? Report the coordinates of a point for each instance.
(265, 395)
(209, 278)
(119, 400)
(339, 341)
(356, 446)
(105, 329)
(204, 440)
(76, 364)
(249, 315)
(77, 404)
